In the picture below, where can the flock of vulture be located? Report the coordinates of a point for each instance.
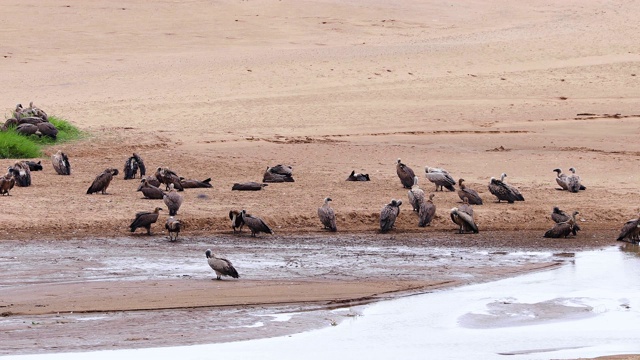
(30, 121)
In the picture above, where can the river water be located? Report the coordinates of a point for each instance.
(586, 308)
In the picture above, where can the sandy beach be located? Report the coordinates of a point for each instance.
(224, 89)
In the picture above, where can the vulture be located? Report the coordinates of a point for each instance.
(145, 219)
(465, 207)
(150, 191)
(173, 200)
(279, 169)
(151, 180)
(441, 178)
(357, 176)
(48, 129)
(236, 220)
(504, 191)
(426, 212)
(6, 183)
(11, 122)
(132, 165)
(166, 176)
(389, 214)
(27, 129)
(327, 215)
(31, 111)
(248, 186)
(21, 173)
(255, 224)
(405, 174)
(472, 195)
(34, 166)
(559, 216)
(561, 179)
(60, 163)
(563, 229)
(464, 220)
(272, 177)
(630, 231)
(30, 120)
(102, 181)
(416, 195)
(173, 226)
(192, 184)
(221, 266)
(573, 181)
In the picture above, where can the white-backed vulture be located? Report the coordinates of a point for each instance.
(415, 195)
(270, 176)
(151, 180)
(255, 224)
(405, 174)
(504, 191)
(563, 229)
(440, 178)
(248, 186)
(573, 181)
(282, 170)
(102, 181)
(61, 163)
(465, 192)
(630, 231)
(559, 216)
(48, 129)
(27, 129)
(221, 266)
(21, 173)
(354, 176)
(464, 220)
(426, 212)
(173, 200)
(327, 215)
(236, 220)
(150, 191)
(132, 165)
(6, 183)
(144, 219)
(389, 214)
(173, 226)
(167, 177)
(561, 179)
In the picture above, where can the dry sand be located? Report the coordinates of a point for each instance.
(223, 89)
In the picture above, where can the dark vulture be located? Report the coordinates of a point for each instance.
(173, 200)
(354, 176)
(563, 229)
(173, 226)
(255, 224)
(464, 220)
(61, 163)
(27, 129)
(405, 174)
(504, 191)
(465, 192)
(327, 215)
(630, 231)
(426, 212)
(151, 180)
(30, 120)
(440, 178)
(221, 266)
(34, 166)
(192, 184)
(389, 214)
(21, 173)
(48, 129)
(132, 165)
(149, 191)
(466, 207)
(416, 195)
(102, 181)
(166, 176)
(144, 220)
(559, 216)
(11, 122)
(31, 111)
(248, 186)
(236, 220)
(280, 169)
(272, 177)
(573, 181)
(6, 183)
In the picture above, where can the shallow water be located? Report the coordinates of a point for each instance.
(589, 307)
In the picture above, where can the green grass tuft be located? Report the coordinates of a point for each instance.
(16, 146)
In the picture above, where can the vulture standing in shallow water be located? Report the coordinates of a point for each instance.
(405, 174)
(630, 231)
(440, 177)
(327, 215)
(6, 183)
(150, 191)
(255, 224)
(504, 191)
(563, 229)
(573, 181)
(472, 195)
(236, 220)
(221, 266)
(173, 200)
(389, 214)
(173, 226)
(248, 186)
(192, 184)
(132, 165)
(416, 195)
(21, 173)
(426, 212)
(144, 219)
(464, 220)
(61, 163)
(357, 176)
(167, 177)
(102, 181)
